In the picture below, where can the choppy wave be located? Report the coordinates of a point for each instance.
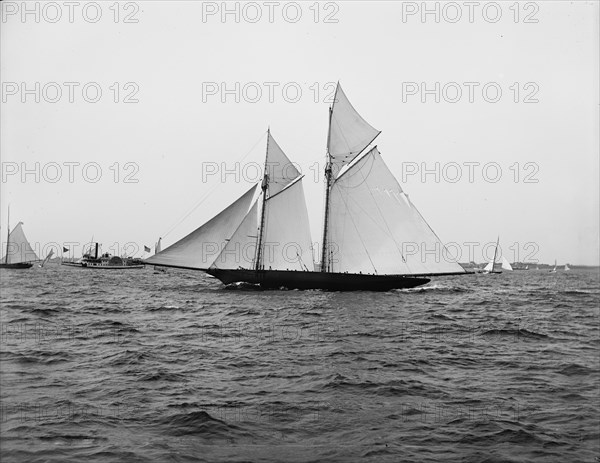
(173, 366)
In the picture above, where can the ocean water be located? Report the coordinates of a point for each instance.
(103, 366)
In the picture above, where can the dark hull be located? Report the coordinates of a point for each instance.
(22, 265)
(275, 279)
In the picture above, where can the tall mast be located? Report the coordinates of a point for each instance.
(264, 187)
(324, 252)
(8, 237)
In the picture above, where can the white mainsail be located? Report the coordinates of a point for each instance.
(18, 249)
(199, 249)
(490, 266)
(506, 264)
(375, 228)
(241, 247)
(287, 243)
(158, 246)
(349, 133)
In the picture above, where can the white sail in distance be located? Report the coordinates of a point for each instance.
(199, 249)
(287, 243)
(506, 264)
(375, 228)
(18, 249)
(349, 133)
(490, 266)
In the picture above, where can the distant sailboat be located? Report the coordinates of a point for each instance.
(489, 268)
(567, 268)
(157, 249)
(554, 269)
(506, 264)
(264, 236)
(19, 253)
(48, 257)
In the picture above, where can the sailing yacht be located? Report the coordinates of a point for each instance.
(19, 253)
(567, 268)
(554, 269)
(489, 268)
(506, 264)
(370, 225)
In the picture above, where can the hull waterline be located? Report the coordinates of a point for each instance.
(275, 279)
(19, 266)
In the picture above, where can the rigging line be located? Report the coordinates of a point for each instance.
(428, 226)
(209, 192)
(351, 167)
(301, 262)
(358, 233)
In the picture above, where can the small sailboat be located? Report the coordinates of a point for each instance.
(48, 257)
(157, 249)
(370, 225)
(554, 269)
(567, 268)
(19, 253)
(506, 264)
(489, 268)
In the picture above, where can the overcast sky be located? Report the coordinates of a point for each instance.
(172, 65)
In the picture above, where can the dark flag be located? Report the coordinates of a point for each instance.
(65, 249)
(146, 249)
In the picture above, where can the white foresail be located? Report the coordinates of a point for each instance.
(199, 249)
(241, 246)
(280, 169)
(374, 227)
(18, 248)
(349, 133)
(489, 267)
(506, 264)
(287, 243)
